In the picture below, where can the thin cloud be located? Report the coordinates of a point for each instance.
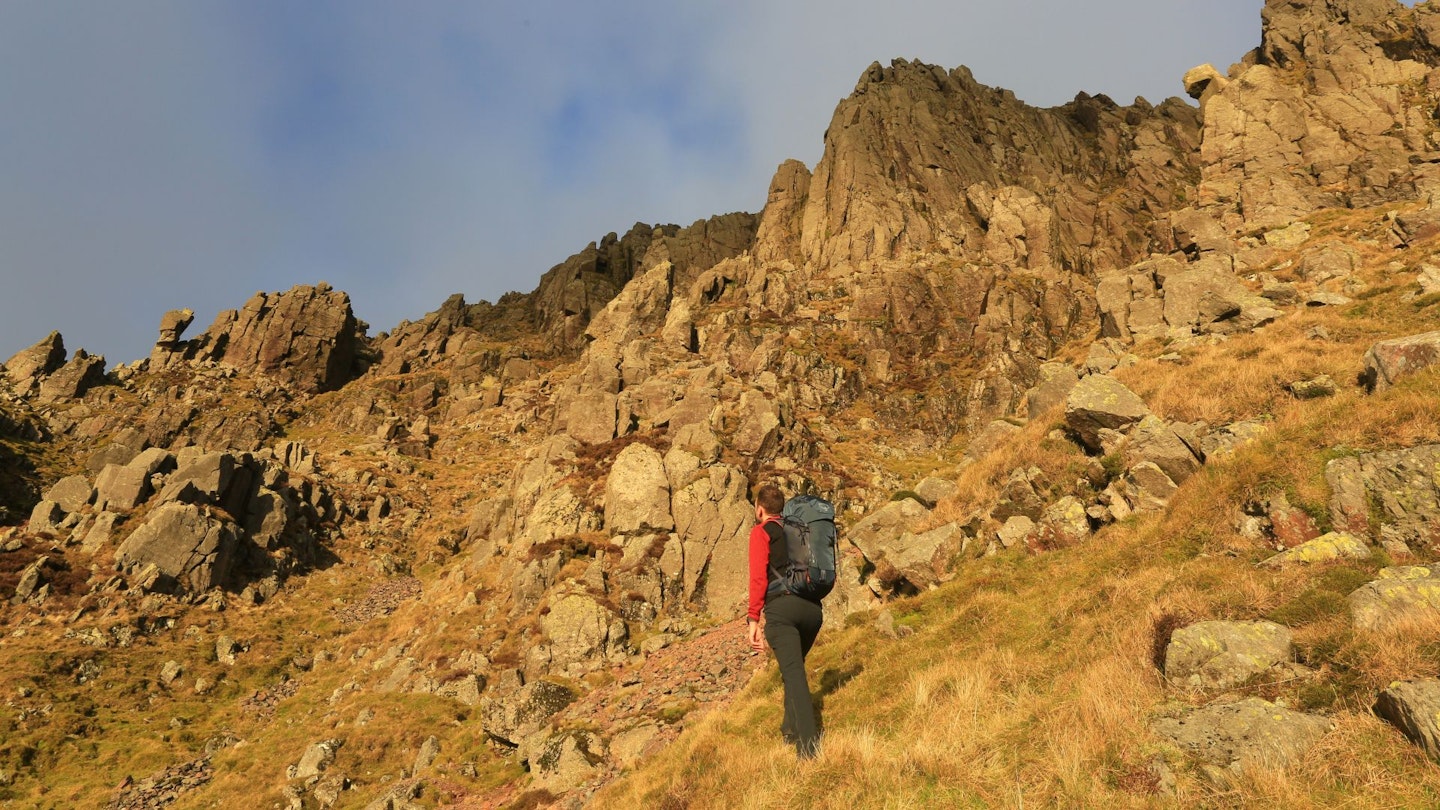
(170, 154)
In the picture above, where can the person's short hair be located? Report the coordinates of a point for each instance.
(770, 498)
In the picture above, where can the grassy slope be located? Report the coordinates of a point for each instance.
(1030, 681)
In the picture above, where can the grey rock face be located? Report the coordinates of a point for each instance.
(712, 520)
(307, 336)
(1323, 92)
(83, 372)
(999, 185)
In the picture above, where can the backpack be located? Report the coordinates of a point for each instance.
(810, 544)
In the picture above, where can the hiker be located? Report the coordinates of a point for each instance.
(790, 622)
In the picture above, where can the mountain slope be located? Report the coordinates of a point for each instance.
(1073, 377)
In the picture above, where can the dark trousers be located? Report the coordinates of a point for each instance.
(791, 624)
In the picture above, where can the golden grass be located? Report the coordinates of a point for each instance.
(1029, 681)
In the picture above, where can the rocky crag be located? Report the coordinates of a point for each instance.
(503, 527)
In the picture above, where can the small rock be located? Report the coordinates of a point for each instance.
(316, 758)
(1314, 388)
(429, 750)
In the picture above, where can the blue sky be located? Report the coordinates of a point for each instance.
(159, 154)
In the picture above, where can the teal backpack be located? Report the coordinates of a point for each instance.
(810, 543)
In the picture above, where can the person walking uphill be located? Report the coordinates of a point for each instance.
(791, 622)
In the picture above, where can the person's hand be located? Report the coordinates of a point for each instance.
(757, 640)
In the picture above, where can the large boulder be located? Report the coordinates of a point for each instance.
(1250, 733)
(1203, 296)
(121, 487)
(1388, 361)
(83, 372)
(878, 534)
(1147, 488)
(1400, 594)
(316, 759)
(1053, 383)
(564, 761)
(191, 548)
(1414, 708)
(1064, 523)
(1402, 483)
(923, 558)
(578, 628)
(1100, 402)
(217, 478)
(592, 416)
(71, 492)
(1221, 655)
(1154, 441)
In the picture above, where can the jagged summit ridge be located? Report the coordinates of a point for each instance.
(924, 161)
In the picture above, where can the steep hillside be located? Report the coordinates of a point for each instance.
(1129, 413)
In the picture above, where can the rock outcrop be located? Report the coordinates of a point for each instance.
(924, 160)
(28, 366)
(307, 337)
(1323, 114)
(1401, 482)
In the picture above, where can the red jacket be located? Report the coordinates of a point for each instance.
(759, 567)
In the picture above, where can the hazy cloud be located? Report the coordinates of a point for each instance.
(156, 155)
